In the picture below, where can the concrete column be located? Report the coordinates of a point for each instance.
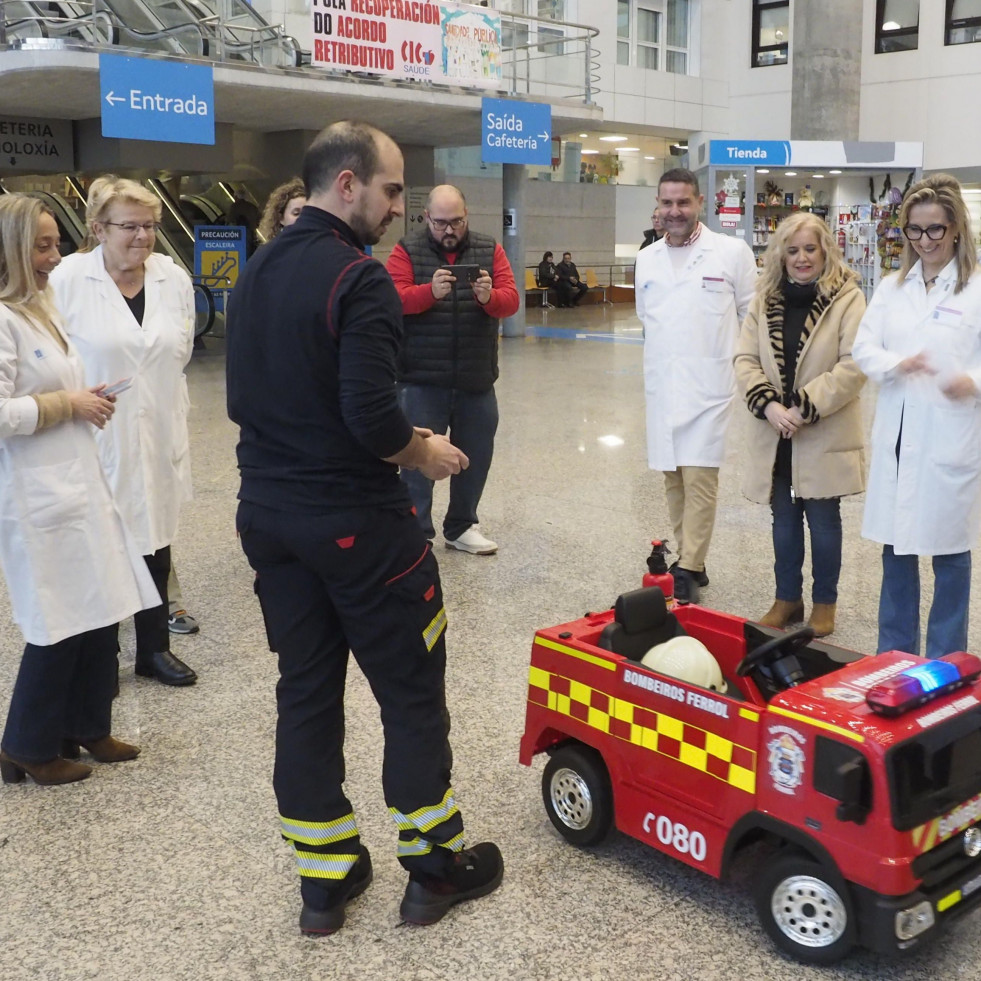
(826, 61)
(513, 241)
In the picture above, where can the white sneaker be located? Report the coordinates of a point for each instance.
(474, 542)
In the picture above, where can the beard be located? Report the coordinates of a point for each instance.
(367, 234)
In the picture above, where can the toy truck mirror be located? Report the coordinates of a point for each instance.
(842, 773)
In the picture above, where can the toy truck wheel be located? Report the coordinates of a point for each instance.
(578, 799)
(806, 911)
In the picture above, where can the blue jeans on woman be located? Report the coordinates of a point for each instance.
(471, 418)
(899, 603)
(824, 522)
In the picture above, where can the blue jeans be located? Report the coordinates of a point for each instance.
(899, 603)
(471, 418)
(824, 523)
(62, 691)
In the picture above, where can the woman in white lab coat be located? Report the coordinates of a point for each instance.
(130, 313)
(71, 570)
(920, 340)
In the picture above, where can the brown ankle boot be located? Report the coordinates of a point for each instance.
(47, 774)
(822, 619)
(783, 612)
(105, 750)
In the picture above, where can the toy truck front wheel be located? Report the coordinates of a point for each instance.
(577, 794)
(807, 911)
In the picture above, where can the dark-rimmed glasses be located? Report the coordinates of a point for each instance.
(131, 227)
(933, 232)
(441, 224)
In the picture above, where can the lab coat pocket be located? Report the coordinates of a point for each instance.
(53, 497)
(958, 443)
(419, 588)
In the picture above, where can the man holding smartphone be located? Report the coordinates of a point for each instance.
(454, 285)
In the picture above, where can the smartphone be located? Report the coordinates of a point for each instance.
(116, 387)
(464, 273)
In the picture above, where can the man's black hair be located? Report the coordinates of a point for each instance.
(346, 145)
(678, 175)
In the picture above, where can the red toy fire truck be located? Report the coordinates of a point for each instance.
(865, 772)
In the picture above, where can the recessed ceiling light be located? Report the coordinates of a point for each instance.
(834, 171)
(613, 139)
(790, 173)
(584, 152)
(583, 136)
(817, 175)
(628, 149)
(650, 158)
(762, 170)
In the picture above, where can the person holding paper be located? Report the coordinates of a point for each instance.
(920, 341)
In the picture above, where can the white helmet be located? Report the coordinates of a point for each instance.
(688, 660)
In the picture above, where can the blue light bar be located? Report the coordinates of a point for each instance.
(933, 675)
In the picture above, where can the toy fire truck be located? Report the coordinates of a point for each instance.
(864, 772)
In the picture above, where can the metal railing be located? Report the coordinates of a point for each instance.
(607, 274)
(540, 57)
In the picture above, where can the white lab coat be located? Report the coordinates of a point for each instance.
(145, 451)
(691, 324)
(929, 503)
(70, 566)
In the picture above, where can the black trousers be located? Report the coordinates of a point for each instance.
(152, 633)
(363, 581)
(62, 691)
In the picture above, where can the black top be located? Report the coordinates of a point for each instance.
(798, 300)
(546, 273)
(567, 272)
(314, 332)
(137, 304)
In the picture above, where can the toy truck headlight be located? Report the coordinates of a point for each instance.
(913, 921)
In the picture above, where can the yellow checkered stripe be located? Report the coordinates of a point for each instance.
(663, 734)
(318, 832)
(426, 818)
(434, 631)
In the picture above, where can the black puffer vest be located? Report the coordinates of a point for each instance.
(454, 343)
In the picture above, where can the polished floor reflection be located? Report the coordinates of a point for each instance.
(171, 867)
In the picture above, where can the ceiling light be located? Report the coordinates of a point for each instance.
(762, 170)
(627, 149)
(583, 136)
(817, 175)
(585, 152)
(834, 171)
(613, 139)
(650, 158)
(790, 173)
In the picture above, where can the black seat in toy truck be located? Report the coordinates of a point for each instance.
(640, 621)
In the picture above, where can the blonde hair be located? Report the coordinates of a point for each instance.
(835, 273)
(107, 191)
(944, 190)
(20, 217)
(272, 215)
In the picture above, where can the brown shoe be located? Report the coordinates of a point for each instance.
(52, 772)
(822, 619)
(105, 750)
(783, 612)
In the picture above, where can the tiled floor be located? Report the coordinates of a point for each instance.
(171, 867)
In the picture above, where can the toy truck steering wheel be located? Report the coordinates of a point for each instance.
(775, 649)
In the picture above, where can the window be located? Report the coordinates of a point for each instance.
(963, 22)
(897, 25)
(771, 32)
(653, 34)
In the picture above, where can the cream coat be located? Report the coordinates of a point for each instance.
(145, 451)
(929, 504)
(691, 323)
(70, 566)
(828, 457)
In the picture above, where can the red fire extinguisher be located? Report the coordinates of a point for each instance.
(841, 239)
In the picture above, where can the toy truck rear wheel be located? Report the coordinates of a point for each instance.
(807, 911)
(577, 794)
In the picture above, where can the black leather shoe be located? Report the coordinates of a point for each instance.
(700, 577)
(166, 668)
(321, 922)
(685, 586)
(471, 874)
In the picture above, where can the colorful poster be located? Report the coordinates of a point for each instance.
(410, 39)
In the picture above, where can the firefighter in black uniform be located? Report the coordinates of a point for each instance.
(326, 524)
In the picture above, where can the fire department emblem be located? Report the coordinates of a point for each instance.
(785, 756)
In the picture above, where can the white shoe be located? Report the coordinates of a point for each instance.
(474, 542)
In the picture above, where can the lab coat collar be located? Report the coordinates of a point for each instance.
(96, 267)
(946, 275)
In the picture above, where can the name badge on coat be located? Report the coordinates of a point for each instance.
(947, 316)
(715, 284)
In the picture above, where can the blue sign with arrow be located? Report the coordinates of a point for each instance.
(145, 99)
(515, 132)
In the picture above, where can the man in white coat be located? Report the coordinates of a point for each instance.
(692, 289)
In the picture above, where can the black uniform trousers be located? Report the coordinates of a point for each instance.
(363, 580)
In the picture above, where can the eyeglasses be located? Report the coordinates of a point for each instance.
(131, 227)
(441, 224)
(933, 232)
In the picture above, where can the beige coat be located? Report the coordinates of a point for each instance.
(829, 453)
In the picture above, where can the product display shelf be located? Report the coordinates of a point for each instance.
(858, 241)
